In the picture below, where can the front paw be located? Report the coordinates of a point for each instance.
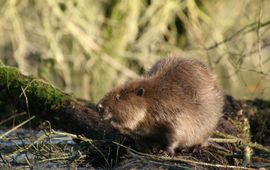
(170, 151)
(165, 152)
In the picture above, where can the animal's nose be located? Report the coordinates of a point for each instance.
(100, 108)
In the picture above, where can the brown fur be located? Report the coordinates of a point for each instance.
(176, 104)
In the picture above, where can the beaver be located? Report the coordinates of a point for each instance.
(176, 104)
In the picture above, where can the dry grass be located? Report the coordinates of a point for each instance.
(87, 47)
(241, 141)
(52, 149)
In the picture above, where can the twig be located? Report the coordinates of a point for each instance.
(247, 155)
(28, 146)
(16, 127)
(3, 159)
(12, 117)
(163, 158)
(233, 139)
(116, 65)
(260, 159)
(245, 29)
(26, 100)
(243, 55)
(27, 161)
(88, 43)
(242, 141)
(90, 141)
(158, 162)
(54, 159)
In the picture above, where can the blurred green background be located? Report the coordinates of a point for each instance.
(86, 47)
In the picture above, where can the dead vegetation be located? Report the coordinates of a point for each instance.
(87, 47)
(79, 45)
(233, 145)
(231, 149)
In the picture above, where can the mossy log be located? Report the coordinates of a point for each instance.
(65, 112)
(49, 103)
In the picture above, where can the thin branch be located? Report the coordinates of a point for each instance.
(12, 117)
(164, 158)
(248, 28)
(233, 139)
(16, 127)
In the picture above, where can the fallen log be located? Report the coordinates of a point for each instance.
(231, 144)
(50, 103)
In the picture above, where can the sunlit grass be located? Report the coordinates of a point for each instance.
(87, 47)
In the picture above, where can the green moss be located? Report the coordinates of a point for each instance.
(40, 95)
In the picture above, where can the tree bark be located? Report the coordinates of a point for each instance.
(37, 97)
(65, 112)
(49, 103)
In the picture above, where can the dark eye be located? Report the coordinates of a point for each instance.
(117, 97)
(140, 91)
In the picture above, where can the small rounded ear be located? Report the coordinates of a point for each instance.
(140, 91)
(117, 97)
